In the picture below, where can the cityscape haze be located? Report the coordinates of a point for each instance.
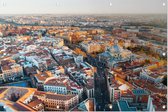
(83, 6)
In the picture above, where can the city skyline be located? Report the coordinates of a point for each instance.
(83, 7)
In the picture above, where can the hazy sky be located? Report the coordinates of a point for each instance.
(82, 6)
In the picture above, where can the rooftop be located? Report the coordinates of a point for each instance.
(87, 105)
(61, 81)
(123, 106)
(49, 95)
(42, 76)
(35, 103)
(139, 92)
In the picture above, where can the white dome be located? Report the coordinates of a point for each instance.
(124, 87)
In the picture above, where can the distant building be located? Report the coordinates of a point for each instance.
(91, 46)
(56, 42)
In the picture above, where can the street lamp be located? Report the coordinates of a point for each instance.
(163, 106)
(110, 106)
(57, 106)
(164, 54)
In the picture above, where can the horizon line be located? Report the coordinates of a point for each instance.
(87, 14)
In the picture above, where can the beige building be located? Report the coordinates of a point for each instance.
(10, 70)
(91, 46)
(57, 102)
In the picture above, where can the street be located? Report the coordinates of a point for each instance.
(101, 92)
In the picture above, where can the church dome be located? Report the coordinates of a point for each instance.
(115, 48)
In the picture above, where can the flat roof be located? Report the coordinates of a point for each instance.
(140, 92)
(123, 106)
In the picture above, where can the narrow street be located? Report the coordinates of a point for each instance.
(101, 93)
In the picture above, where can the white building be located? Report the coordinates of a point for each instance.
(148, 75)
(37, 61)
(10, 70)
(62, 85)
(58, 42)
(89, 88)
